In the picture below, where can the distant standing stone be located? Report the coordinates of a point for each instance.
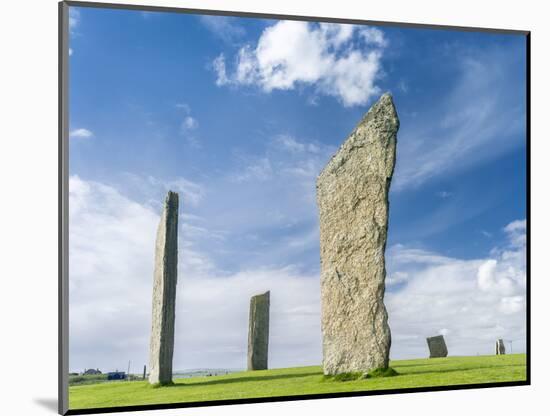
(164, 294)
(500, 350)
(258, 332)
(437, 346)
(352, 195)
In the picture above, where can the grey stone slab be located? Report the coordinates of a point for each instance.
(499, 347)
(437, 346)
(352, 196)
(165, 279)
(258, 332)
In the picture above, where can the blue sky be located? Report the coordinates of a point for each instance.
(239, 116)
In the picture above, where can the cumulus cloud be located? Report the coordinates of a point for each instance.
(81, 133)
(338, 60)
(111, 268)
(516, 232)
(110, 264)
(472, 302)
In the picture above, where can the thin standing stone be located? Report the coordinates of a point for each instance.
(164, 294)
(258, 332)
(352, 195)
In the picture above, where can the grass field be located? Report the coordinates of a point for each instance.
(299, 381)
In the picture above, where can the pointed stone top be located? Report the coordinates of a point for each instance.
(376, 130)
(172, 199)
(384, 108)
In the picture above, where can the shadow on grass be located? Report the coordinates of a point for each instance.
(415, 365)
(245, 379)
(455, 370)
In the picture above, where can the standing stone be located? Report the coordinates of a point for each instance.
(437, 346)
(164, 294)
(500, 350)
(352, 195)
(258, 332)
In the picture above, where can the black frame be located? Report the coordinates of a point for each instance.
(63, 199)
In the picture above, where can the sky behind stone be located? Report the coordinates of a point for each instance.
(239, 116)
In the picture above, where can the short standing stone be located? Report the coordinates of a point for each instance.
(352, 195)
(437, 346)
(500, 350)
(165, 278)
(258, 332)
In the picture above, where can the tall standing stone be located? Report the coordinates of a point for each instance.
(352, 195)
(437, 346)
(499, 347)
(165, 278)
(258, 332)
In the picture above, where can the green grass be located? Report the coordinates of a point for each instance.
(301, 380)
(87, 379)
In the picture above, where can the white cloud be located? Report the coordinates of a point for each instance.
(189, 123)
(70, 52)
(213, 318)
(111, 265)
(221, 74)
(516, 232)
(289, 143)
(338, 60)
(374, 36)
(74, 18)
(224, 27)
(81, 133)
(471, 302)
(512, 305)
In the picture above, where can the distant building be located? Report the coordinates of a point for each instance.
(116, 375)
(91, 372)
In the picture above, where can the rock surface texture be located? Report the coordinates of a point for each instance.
(437, 346)
(500, 350)
(258, 332)
(161, 347)
(352, 195)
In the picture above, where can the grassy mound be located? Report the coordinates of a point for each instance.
(302, 380)
(343, 377)
(382, 372)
